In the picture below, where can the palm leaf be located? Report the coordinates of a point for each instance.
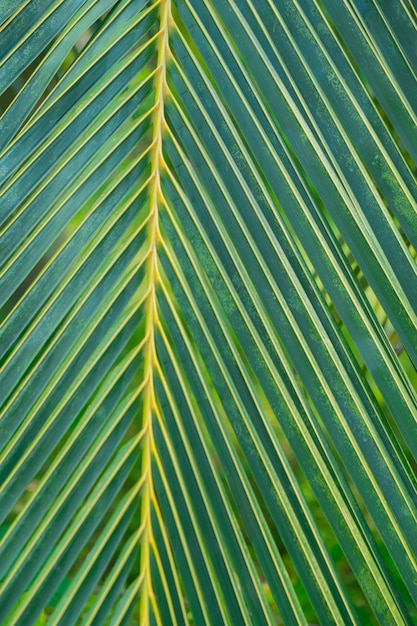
(208, 340)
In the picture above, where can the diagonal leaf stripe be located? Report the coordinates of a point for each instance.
(208, 340)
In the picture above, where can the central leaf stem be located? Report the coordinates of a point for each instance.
(150, 357)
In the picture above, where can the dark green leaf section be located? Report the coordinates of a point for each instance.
(73, 214)
(28, 34)
(226, 95)
(366, 31)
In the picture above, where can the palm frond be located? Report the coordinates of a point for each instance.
(208, 341)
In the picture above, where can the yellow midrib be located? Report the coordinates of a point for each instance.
(155, 192)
